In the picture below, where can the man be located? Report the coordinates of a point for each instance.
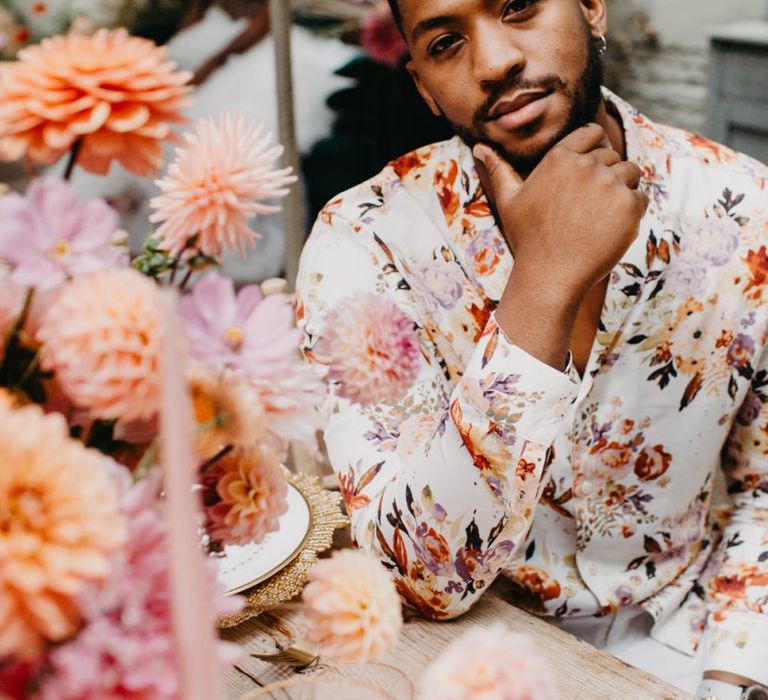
(589, 291)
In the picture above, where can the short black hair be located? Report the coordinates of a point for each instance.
(396, 14)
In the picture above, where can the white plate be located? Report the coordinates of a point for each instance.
(245, 566)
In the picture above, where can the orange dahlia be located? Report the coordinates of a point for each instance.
(60, 521)
(227, 412)
(351, 607)
(102, 337)
(113, 92)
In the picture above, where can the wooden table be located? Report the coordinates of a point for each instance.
(585, 673)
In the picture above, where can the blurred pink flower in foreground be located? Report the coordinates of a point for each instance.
(126, 650)
(216, 184)
(371, 348)
(102, 336)
(380, 37)
(490, 663)
(244, 494)
(352, 608)
(49, 236)
(246, 332)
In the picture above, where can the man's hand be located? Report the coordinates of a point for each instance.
(568, 225)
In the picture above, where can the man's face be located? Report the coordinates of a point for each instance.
(516, 74)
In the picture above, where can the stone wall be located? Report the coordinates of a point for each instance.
(659, 53)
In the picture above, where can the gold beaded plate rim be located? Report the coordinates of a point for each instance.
(287, 559)
(287, 581)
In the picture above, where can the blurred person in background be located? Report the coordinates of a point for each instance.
(588, 287)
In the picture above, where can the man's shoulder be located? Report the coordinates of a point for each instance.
(410, 174)
(668, 147)
(709, 155)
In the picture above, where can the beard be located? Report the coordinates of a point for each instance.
(584, 97)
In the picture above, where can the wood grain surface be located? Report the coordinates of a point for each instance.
(585, 673)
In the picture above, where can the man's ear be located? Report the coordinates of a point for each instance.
(595, 13)
(425, 94)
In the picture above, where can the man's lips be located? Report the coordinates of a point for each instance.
(520, 109)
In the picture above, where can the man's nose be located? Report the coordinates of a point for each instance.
(495, 54)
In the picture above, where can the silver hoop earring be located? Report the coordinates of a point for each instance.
(603, 45)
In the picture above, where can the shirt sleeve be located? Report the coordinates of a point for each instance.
(736, 638)
(441, 485)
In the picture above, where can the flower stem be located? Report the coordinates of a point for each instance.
(32, 367)
(74, 152)
(187, 277)
(190, 242)
(223, 452)
(13, 342)
(146, 462)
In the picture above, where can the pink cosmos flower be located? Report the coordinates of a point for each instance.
(380, 37)
(490, 662)
(49, 236)
(290, 400)
(126, 650)
(246, 332)
(217, 183)
(371, 348)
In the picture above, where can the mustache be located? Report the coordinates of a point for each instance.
(512, 82)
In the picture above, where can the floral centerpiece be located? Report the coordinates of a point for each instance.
(85, 590)
(90, 574)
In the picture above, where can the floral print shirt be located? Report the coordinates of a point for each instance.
(592, 492)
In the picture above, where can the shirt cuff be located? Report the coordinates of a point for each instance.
(515, 390)
(738, 643)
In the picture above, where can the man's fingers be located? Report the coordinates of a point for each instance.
(607, 156)
(642, 201)
(586, 139)
(629, 173)
(502, 175)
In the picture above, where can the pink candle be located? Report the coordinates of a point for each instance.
(192, 615)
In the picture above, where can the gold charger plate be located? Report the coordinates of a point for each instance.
(244, 566)
(286, 580)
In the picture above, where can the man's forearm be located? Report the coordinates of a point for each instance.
(537, 317)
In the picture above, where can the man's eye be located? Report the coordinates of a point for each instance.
(515, 8)
(442, 44)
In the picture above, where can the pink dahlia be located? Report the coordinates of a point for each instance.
(244, 495)
(492, 663)
(102, 337)
(371, 348)
(247, 332)
(50, 236)
(126, 650)
(217, 183)
(380, 37)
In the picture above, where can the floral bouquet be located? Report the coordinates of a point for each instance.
(86, 585)
(98, 588)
